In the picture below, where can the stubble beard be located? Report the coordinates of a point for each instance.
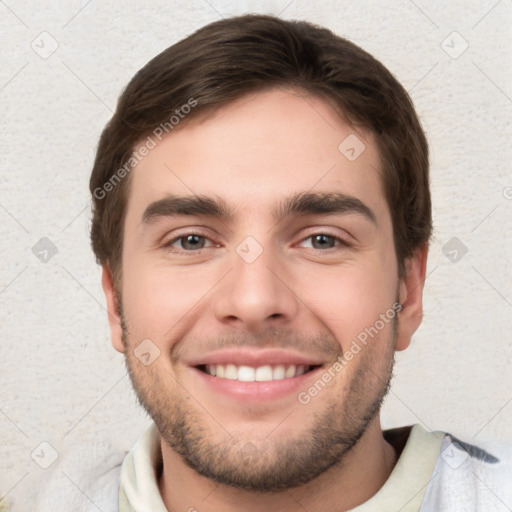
(262, 465)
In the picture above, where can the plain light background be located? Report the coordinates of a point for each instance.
(62, 383)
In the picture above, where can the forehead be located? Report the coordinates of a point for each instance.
(258, 149)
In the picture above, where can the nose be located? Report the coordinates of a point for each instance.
(256, 293)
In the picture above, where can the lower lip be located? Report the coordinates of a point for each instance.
(257, 391)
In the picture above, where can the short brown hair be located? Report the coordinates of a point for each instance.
(232, 57)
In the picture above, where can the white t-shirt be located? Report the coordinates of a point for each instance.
(435, 472)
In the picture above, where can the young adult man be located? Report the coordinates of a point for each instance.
(262, 215)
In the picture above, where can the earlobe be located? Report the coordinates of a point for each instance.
(411, 297)
(114, 317)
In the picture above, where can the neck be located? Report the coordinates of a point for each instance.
(363, 471)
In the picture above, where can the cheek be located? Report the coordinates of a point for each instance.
(351, 299)
(157, 298)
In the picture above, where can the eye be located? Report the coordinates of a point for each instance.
(326, 241)
(188, 242)
(194, 242)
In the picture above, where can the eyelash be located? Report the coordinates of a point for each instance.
(168, 245)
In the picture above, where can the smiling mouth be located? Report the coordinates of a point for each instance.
(263, 373)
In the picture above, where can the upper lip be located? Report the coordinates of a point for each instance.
(255, 357)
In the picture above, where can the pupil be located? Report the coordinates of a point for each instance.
(190, 239)
(321, 239)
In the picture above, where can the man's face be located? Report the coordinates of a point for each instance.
(255, 296)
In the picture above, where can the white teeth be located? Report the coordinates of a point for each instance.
(263, 373)
(279, 372)
(246, 373)
(260, 374)
(290, 372)
(231, 372)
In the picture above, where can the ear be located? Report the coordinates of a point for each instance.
(114, 318)
(411, 297)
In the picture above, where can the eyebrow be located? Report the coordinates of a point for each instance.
(298, 204)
